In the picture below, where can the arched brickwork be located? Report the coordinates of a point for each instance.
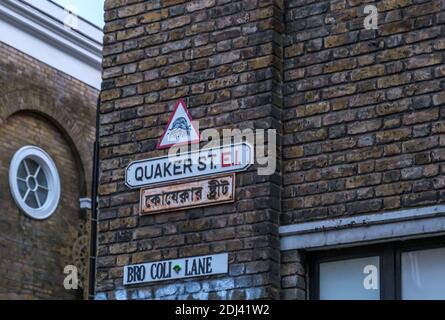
(47, 108)
(35, 253)
(36, 100)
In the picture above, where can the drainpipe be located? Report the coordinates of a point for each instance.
(93, 240)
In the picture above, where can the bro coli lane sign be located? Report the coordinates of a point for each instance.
(176, 269)
(199, 163)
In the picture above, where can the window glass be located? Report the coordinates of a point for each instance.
(34, 182)
(423, 274)
(22, 174)
(352, 279)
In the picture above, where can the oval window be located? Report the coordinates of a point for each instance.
(34, 182)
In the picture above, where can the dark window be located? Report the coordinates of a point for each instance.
(408, 270)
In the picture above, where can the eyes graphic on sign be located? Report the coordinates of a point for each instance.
(179, 129)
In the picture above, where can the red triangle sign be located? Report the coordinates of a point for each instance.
(180, 129)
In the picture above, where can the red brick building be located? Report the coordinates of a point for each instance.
(49, 86)
(355, 206)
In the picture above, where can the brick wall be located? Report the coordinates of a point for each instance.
(224, 58)
(358, 115)
(43, 107)
(29, 85)
(363, 120)
(293, 273)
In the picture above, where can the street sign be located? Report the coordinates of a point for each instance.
(179, 196)
(176, 269)
(180, 129)
(198, 163)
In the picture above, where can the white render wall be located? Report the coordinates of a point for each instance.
(36, 28)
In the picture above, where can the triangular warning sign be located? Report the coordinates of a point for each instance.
(180, 128)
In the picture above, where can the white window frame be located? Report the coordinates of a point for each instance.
(50, 170)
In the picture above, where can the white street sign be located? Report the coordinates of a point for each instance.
(199, 163)
(176, 269)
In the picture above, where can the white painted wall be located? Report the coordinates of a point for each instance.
(36, 28)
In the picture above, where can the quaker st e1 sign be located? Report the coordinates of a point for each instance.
(207, 162)
(199, 163)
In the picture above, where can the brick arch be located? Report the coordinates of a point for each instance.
(39, 102)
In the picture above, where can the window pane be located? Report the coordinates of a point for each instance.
(43, 195)
(32, 166)
(423, 274)
(41, 179)
(22, 187)
(31, 200)
(22, 171)
(352, 279)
